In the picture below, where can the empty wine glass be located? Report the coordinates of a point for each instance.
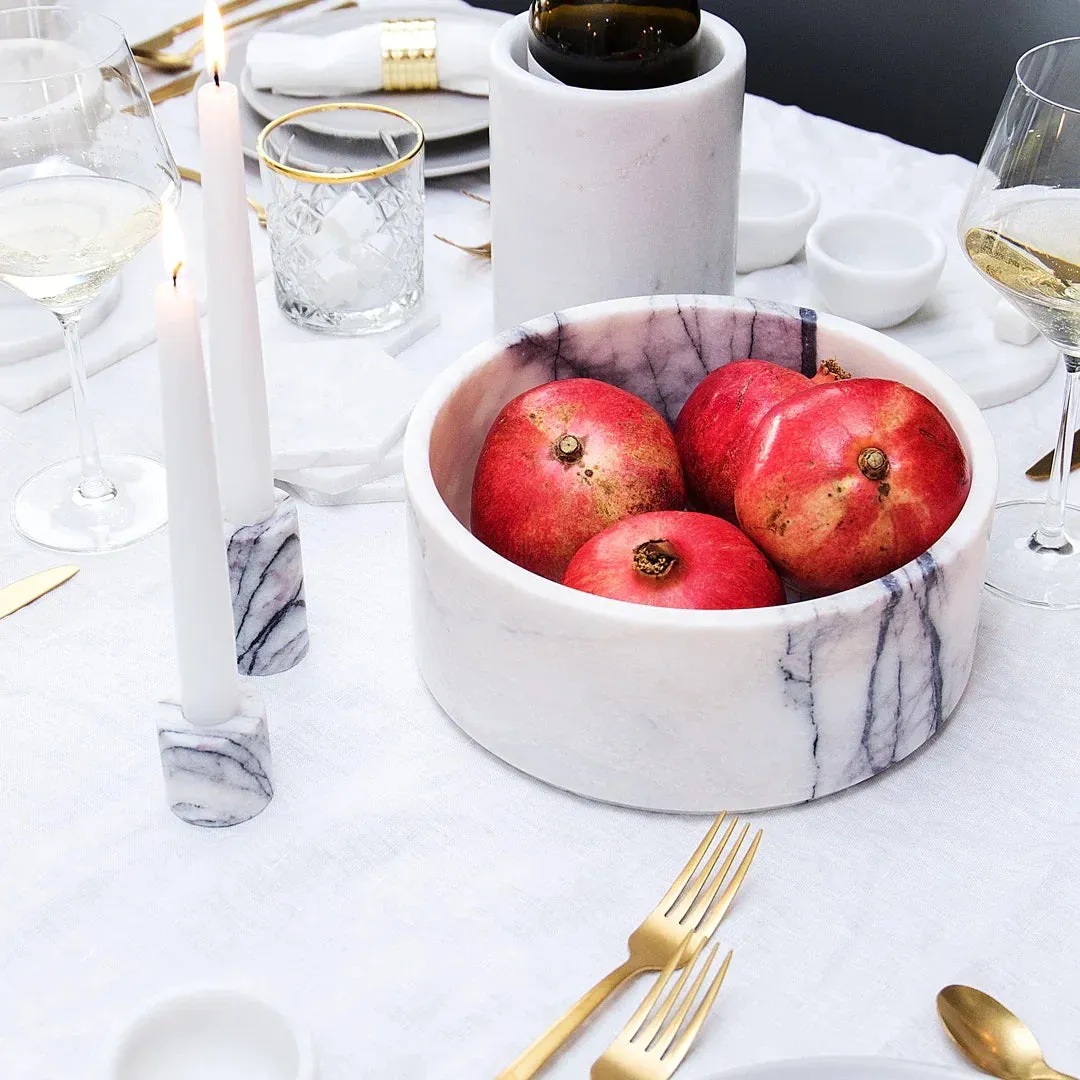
(1020, 227)
(84, 172)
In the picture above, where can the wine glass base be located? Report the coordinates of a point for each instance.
(1025, 573)
(49, 512)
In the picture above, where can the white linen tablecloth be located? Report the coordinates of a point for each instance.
(426, 909)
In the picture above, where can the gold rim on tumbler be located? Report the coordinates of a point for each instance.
(337, 178)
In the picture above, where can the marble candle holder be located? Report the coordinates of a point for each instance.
(598, 194)
(670, 709)
(216, 776)
(266, 576)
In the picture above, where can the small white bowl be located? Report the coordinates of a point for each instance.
(213, 1033)
(874, 267)
(775, 212)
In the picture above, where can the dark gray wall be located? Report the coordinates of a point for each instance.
(928, 72)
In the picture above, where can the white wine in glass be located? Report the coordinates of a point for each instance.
(1020, 227)
(84, 173)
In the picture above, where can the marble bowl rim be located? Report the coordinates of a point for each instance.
(162, 1003)
(733, 58)
(425, 499)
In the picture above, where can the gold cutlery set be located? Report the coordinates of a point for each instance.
(672, 937)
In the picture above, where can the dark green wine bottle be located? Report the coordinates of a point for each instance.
(616, 44)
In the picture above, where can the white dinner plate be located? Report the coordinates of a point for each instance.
(447, 157)
(843, 1068)
(441, 114)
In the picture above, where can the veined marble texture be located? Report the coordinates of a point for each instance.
(266, 575)
(216, 776)
(668, 709)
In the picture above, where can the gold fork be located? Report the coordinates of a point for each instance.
(160, 60)
(690, 906)
(647, 1049)
(195, 177)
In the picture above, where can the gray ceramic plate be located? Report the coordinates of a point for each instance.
(442, 115)
(444, 157)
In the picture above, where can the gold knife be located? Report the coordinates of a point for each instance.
(21, 593)
(1041, 469)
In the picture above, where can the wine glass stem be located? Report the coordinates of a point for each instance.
(1051, 534)
(94, 486)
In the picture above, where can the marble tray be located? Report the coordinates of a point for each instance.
(680, 710)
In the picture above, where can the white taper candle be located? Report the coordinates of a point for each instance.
(202, 606)
(237, 378)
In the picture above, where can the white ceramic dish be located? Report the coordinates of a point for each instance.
(775, 212)
(442, 115)
(669, 709)
(873, 266)
(843, 1068)
(213, 1033)
(445, 157)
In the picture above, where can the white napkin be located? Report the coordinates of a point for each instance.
(336, 402)
(350, 62)
(339, 406)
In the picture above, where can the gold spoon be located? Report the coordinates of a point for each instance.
(991, 1037)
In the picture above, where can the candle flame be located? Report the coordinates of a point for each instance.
(214, 40)
(172, 242)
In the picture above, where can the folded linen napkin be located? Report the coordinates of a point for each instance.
(336, 402)
(350, 62)
(339, 406)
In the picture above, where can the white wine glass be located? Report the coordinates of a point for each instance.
(84, 173)
(1020, 227)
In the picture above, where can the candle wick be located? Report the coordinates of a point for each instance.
(217, 76)
(176, 273)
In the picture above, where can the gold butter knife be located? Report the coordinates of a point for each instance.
(29, 589)
(1041, 469)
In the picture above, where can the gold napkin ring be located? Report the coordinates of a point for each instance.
(408, 54)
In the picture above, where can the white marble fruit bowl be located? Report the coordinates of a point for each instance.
(671, 709)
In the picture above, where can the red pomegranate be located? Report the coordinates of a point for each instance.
(675, 559)
(715, 425)
(562, 462)
(846, 482)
